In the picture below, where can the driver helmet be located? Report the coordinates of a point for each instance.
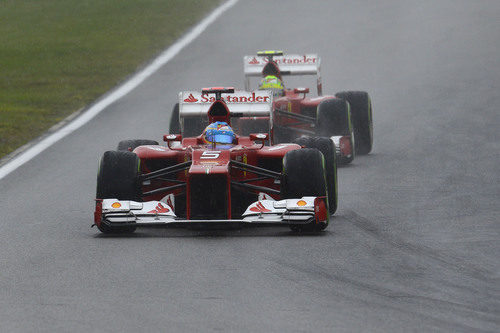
(219, 132)
(272, 82)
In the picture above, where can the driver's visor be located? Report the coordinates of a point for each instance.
(220, 138)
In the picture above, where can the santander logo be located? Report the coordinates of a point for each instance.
(306, 59)
(259, 207)
(254, 61)
(159, 209)
(296, 60)
(253, 98)
(191, 99)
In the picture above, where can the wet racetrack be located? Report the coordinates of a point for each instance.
(414, 245)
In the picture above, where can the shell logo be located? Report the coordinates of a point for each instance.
(116, 205)
(301, 203)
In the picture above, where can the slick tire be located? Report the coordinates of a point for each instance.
(333, 117)
(118, 177)
(327, 148)
(129, 145)
(194, 126)
(304, 175)
(361, 111)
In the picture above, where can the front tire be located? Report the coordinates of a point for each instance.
(118, 177)
(327, 148)
(361, 110)
(304, 175)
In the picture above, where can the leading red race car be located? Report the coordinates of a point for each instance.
(209, 180)
(346, 118)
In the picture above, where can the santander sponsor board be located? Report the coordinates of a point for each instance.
(286, 60)
(247, 98)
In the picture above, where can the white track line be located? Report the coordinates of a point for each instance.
(118, 93)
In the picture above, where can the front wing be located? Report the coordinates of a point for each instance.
(120, 213)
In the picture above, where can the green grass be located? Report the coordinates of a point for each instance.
(56, 56)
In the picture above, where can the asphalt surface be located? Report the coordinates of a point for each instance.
(414, 245)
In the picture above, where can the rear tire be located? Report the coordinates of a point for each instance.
(193, 126)
(118, 177)
(361, 110)
(327, 148)
(129, 145)
(333, 117)
(174, 126)
(297, 183)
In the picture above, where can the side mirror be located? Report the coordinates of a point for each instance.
(259, 137)
(169, 138)
(172, 137)
(301, 91)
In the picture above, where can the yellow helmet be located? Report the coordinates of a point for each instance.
(272, 82)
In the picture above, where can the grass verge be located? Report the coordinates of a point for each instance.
(56, 56)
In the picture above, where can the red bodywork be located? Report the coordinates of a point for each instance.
(212, 181)
(209, 161)
(295, 103)
(295, 114)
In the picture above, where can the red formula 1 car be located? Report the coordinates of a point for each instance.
(208, 180)
(346, 118)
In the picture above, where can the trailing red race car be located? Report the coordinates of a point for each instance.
(346, 118)
(217, 178)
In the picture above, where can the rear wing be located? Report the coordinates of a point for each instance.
(241, 104)
(290, 64)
